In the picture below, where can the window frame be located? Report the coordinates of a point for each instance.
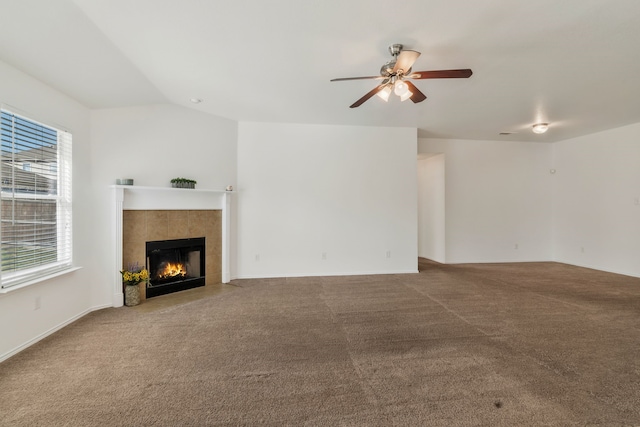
(63, 240)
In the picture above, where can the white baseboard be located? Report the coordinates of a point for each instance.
(100, 307)
(325, 274)
(118, 299)
(600, 268)
(45, 334)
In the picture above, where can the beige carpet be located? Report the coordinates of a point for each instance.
(489, 344)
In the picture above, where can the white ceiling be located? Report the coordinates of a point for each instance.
(572, 63)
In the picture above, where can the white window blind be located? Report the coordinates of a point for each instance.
(35, 225)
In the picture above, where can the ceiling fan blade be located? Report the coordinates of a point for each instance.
(441, 74)
(416, 96)
(358, 78)
(369, 94)
(405, 60)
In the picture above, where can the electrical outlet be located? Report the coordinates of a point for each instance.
(515, 246)
(324, 256)
(257, 257)
(582, 249)
(388, 254)
(637, 201)
(37, 303)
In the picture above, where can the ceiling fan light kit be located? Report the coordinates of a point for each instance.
(384, 93)
(395, 72)
(400, 88)
(540, 127)
(406, 96)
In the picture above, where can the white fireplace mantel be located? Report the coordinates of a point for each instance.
(130, 197)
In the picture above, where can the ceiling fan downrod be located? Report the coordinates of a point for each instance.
(387, 69)
(395, 50)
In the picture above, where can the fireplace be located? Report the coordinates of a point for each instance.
(175, 265)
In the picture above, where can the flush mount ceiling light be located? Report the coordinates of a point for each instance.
(540, 127)
(196, 100)
(395, 74)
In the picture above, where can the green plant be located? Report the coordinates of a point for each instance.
(183, 181)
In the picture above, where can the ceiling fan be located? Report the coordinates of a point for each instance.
(394, 75)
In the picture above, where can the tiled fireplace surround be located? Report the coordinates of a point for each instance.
(140, 227)
(144, 214)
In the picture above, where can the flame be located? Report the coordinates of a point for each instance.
(172, 270)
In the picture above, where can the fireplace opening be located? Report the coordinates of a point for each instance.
(175, 265)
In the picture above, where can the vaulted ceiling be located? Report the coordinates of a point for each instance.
(572, 63)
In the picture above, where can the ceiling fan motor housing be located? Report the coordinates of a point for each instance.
(387, 69)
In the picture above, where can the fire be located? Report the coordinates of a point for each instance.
(172, 270)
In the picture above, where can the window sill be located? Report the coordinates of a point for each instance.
(39, 279)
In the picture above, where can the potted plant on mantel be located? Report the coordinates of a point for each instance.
(183, 183)
(131, 278)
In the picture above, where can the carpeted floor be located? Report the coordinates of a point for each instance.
(483, 344)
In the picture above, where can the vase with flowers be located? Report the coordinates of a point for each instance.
(131, 278)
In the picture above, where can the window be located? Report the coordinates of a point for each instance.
(35, 224)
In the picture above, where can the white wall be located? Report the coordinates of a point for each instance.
(70, 296)
(597, 218)
(345, 191)
(431, 208)
(498, 195)
(153, 144)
